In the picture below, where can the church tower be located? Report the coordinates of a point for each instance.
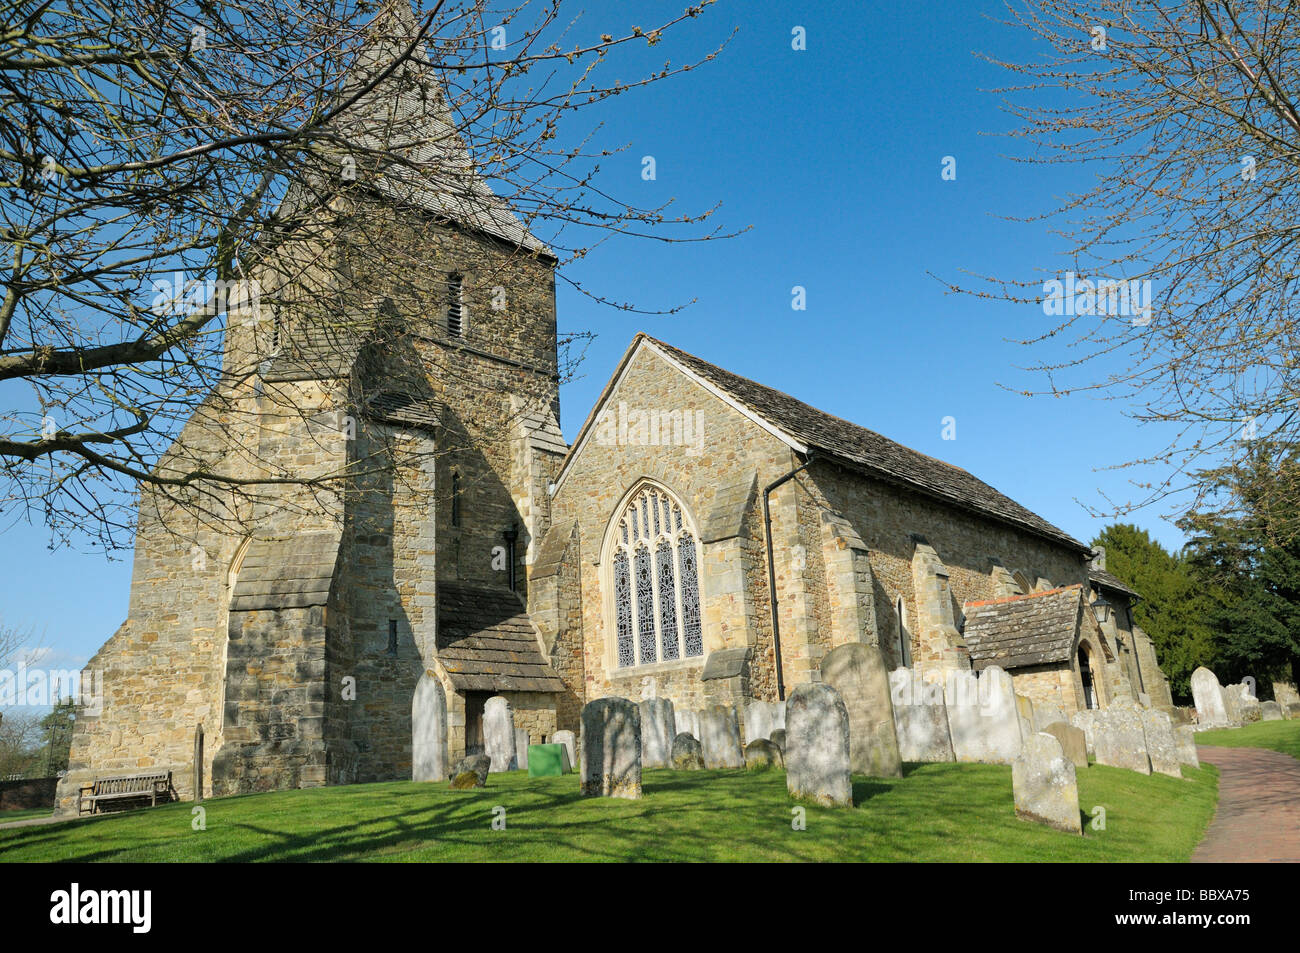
(399, 366)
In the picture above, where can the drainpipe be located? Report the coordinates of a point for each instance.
(511, 535)
(771, 572)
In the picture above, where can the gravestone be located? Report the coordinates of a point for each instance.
(762, 754)
(920, 717)
(565, 737)
(1232, 705)
(760, 720)
(720, 737)
(429, 730)
(1086, 721)
(817, 746)
(1162, 748)
(778, 738)
(687, 721)
(1247, 704)
(1025, 709)
(471, 772)
(982, 716)
(548, 761)
(1045, 715)
(1044, 784)
(658, 727)
(1120, 740)
(1271, 711)
(521, 749)
(611, 748)
(687, 754)
(499, 733)
(1207, 693)
(1285, 694)
(1185, 739)
(1073, 743)
(857, 672)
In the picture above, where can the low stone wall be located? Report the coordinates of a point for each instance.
(27, 794)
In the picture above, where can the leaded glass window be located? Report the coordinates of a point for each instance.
(656, 582)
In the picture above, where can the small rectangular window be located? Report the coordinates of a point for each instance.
(392, 636)
(455, 306)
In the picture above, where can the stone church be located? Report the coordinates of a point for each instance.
(705, 538)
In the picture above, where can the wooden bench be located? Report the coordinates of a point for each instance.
(125, 788)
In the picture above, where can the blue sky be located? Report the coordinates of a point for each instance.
(831, 157)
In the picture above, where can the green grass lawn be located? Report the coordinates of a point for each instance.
(7, 816)
(1281, 736)
(938, 812)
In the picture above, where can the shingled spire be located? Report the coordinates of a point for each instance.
(401, 135)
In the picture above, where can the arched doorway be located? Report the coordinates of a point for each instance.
(1085, 676)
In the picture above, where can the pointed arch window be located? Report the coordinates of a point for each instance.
(654, 574)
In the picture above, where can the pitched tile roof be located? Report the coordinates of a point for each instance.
(1102, 578)
(486, 641)
(866, 449)
(1019, 631)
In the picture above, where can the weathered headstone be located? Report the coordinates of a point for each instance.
(429, 730)
(522, 742)
(1045, 715)
(857, 671)
(1025, 709)
(762, 754)
(1294, 710)
(982, 716)
(1185, 739)
(778, 738)
(1211, 708)
(1072, 740)
(611, 748)
(658, 726)
(1247, 704)
(760, 720)
(471, 772)
(1086, 721)
(720, 737)
(920, 717)
(565, 737)
(1120, 740)
(1044, 784)
(817, 746)
(1162, 748)
(687, 721)
(499, 733)
(1271, 711)
(1285, 694)
(687, 754)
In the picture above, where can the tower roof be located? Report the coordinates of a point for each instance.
(406, 123)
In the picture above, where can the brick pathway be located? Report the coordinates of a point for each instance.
(1258, 818)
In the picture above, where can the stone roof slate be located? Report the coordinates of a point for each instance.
(1019, 631)
(866, 449)
(286, 573)
(396, 407)
(487, 643)
(1104, 579)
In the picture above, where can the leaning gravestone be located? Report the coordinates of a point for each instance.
(762, 754)
(1185, 739)
(1271, 711)
(611, 748)
(1086, 721)
(687, 754)
(1044, 784)
(857, 671)
(720, 737)
(817, 746)
(1211, 708)
(1232, 704)
(471, 772)
(1162, 748)
(1120, 741)
(778, 739)
(920, 717)
(499, 733)
(521, 749)
(429, 730)
(1073, 743)
(658, 728)
(566, 738)
(982, 716)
